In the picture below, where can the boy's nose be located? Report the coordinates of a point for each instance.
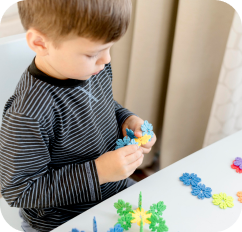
(104, 59)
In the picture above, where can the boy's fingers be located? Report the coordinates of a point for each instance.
(135, 164)
(151, 143)
(148, 145)
(124, 132)
(129, 159)
(146, 151)
(138, 133)
(127, 150)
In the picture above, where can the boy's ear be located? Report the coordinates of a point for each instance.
(37, 42)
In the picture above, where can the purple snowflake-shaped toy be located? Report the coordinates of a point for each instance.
(147, 128)
(238, 162)
(190, 179)
(201, 191)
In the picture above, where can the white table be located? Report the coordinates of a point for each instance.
(185, 212)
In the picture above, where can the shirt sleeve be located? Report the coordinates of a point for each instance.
(25, 178)
(121, 113)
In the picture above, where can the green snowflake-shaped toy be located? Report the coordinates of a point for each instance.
(157, 223)
(123, 208)
(125, 221)
(140, 216)
(157, 208)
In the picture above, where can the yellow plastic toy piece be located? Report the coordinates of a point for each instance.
(141, 214)
(143, 140)
(223, 200)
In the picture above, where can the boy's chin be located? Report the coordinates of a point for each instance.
(82, 78)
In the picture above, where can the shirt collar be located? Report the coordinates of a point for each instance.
(68, 83)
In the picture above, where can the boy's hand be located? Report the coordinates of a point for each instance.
(118, 165)
(134, 123)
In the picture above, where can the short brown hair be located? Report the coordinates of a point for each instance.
(105, 20)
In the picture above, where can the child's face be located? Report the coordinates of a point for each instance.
(77, 58)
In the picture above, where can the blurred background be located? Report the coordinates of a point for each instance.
(179, 66)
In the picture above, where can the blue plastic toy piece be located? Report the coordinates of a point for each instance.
(147, 128)
(124, 142)
(201, 191)
(130, 134)
(94, 225)
(117, 228)
(132, 142)
(190, 179)
(76, 230)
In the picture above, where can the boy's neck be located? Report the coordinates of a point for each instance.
(46, 68)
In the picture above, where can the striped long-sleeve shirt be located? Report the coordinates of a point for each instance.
(52, 131)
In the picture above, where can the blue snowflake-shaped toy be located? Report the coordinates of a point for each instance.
(117, 228)
(201, 191)
(190, 179)
(132, 142)
(94, 225)
(130, 134)
(147, 128)
(124, 142)
(75, 230)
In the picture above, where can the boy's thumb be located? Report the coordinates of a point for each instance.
(138, 133)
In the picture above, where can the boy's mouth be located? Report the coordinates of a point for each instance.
(97, 72)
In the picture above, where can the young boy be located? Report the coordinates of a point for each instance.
(59, 129)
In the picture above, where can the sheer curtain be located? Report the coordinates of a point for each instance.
(166, 70)
(226, 114)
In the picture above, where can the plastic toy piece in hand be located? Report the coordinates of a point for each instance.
(124, 142)
(143, 140)
(130, 134)
(238, 170)
(239, 194)
(223, 200)
(147, 128)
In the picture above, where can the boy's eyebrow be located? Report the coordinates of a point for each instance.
(98, 51)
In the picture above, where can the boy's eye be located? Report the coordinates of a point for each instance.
(91, 57)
